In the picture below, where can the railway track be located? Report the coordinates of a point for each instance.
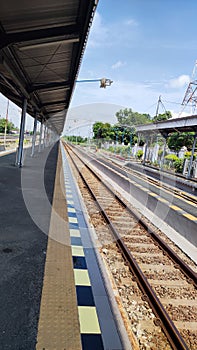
(148, 180)
(167, 284)
(163, 186)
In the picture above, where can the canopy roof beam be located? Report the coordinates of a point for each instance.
(64, 33)
(48, 86)
(53, 103)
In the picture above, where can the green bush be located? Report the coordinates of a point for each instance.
(155, 163)
(171, 157)
(188, 155)
(178, 165)
(118, 149)
(111, 149)
(160, 152)
(139, 154)
(26, 141)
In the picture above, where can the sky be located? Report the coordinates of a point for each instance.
(147, 47)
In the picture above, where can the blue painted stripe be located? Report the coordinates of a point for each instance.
(85, 296)
(76, 241)
(79, 262)
(73, 225)
(92, 341)
(72, 215)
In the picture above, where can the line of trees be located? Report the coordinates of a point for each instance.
(116, 133)
(76, 139)
(124, 130)
(10, 126)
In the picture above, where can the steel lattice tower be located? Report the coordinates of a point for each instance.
(190, 97)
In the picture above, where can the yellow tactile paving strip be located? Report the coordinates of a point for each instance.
(77, 251)
(82, 277)
(74, 233)
(59, 327)
(87, 310)
(88, 320)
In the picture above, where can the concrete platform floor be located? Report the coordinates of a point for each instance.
(23, 244)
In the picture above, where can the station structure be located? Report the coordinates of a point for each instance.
(53, 291)
(164, 128)
(41, 48)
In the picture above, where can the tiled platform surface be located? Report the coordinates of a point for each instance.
(75, 309)
(23, 244)
(97, 325)
(52, 295)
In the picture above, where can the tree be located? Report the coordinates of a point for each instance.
(124, 134)
(177, 140)
(129, 117)
(10, 125)
(160, 117)
(102, 131)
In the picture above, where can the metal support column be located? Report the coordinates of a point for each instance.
(192, 156)
(116, 145)
(40, 138)
(21, 135)
(45, 133)
(49, 137)
(130, 144)
(145, 151)
(163, 155)
(34, 135)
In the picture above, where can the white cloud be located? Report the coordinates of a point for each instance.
(108, 34)
(99, 35)
(179, 82)
(180, 114)
(131, 22)
(118, 64)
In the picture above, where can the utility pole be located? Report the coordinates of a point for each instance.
(6, 123)
(158, 104)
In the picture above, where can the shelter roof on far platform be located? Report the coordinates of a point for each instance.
(185, 124)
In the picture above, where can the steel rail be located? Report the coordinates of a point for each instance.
(158, 183)
(188, 272)
(163, 186)
(151, 180)
(171, 332)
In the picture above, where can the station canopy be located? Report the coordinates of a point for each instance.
(184, 124)
(41, 47)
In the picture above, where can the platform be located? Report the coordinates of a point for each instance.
(52, 291)
(74, 288)
(23, 245)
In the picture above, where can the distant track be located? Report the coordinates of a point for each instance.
(160, 273)
(149, 180)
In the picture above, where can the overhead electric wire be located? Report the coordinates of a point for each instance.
(177, 103)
